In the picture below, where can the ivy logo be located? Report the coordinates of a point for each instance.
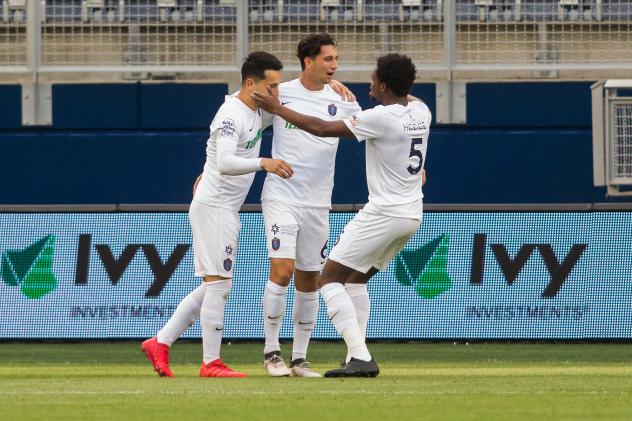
(31, 268)
(425, 268)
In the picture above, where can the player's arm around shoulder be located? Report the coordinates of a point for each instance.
(313, 125)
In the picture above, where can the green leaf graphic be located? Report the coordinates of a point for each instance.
(22, 260)
(435, 279)
(32, 268)
(8, 276)
(41, 280)
(410, 263)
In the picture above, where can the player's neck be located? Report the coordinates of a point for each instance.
(310, 84)
(392, 99)
(244, 97)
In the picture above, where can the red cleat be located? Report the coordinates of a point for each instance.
(218, 369)
(158, 356)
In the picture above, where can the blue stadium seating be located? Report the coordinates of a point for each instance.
(382, 10)
(63, 10)
(616, 10)
(466, 11)
(301, 11)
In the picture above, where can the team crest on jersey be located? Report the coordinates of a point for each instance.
(332, 109)
(228, 264)
(276, 244)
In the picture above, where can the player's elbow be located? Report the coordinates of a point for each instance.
(317, 130)
(224, 168)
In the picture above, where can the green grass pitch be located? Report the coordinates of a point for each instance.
(106, 380)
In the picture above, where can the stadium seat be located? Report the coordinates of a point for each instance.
(338, 10)
(492, 11)
(578, 10)
(426, 10)
(14, 11)
(265, 11)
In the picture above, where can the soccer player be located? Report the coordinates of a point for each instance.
(396, 135)
(296, 211)
(232, 158)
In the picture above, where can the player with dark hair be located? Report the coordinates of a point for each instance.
(396, 135)
(232, 158)
(296, 211)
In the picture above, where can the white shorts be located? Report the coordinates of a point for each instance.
(215, 236)
(372, 240)
(297, 233)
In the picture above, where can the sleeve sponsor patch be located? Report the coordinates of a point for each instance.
(228, 128)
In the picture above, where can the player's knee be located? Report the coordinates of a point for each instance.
(281, 272)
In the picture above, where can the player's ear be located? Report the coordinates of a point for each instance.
(308, 62)
(250, 84)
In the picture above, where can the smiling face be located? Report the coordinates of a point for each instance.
(323, 67)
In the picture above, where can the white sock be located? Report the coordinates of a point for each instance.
(273, 311)
(185, 315)
(343, 316)
(305, 313)
(212, 317)
(360, 297)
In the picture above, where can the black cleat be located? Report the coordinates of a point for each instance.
(355, 368)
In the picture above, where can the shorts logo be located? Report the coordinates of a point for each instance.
(228, 264)
(332, 109)
(274, 228)
(228, 250)
(276, 243)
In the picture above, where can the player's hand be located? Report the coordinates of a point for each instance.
(343, 91)
(197, 181)
(278, 167)
(423, 177)
(268, 103)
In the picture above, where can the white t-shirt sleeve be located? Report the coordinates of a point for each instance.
(228, 162)
(368, 124)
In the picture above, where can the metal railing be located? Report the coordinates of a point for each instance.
(612, 136)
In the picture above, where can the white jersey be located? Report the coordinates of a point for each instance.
(238, 124)
(396, 142)
(312, 158)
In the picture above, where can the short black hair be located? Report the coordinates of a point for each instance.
(257, 63)
(310, 46)
(397, 72)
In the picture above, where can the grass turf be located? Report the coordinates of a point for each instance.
(417, 381)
